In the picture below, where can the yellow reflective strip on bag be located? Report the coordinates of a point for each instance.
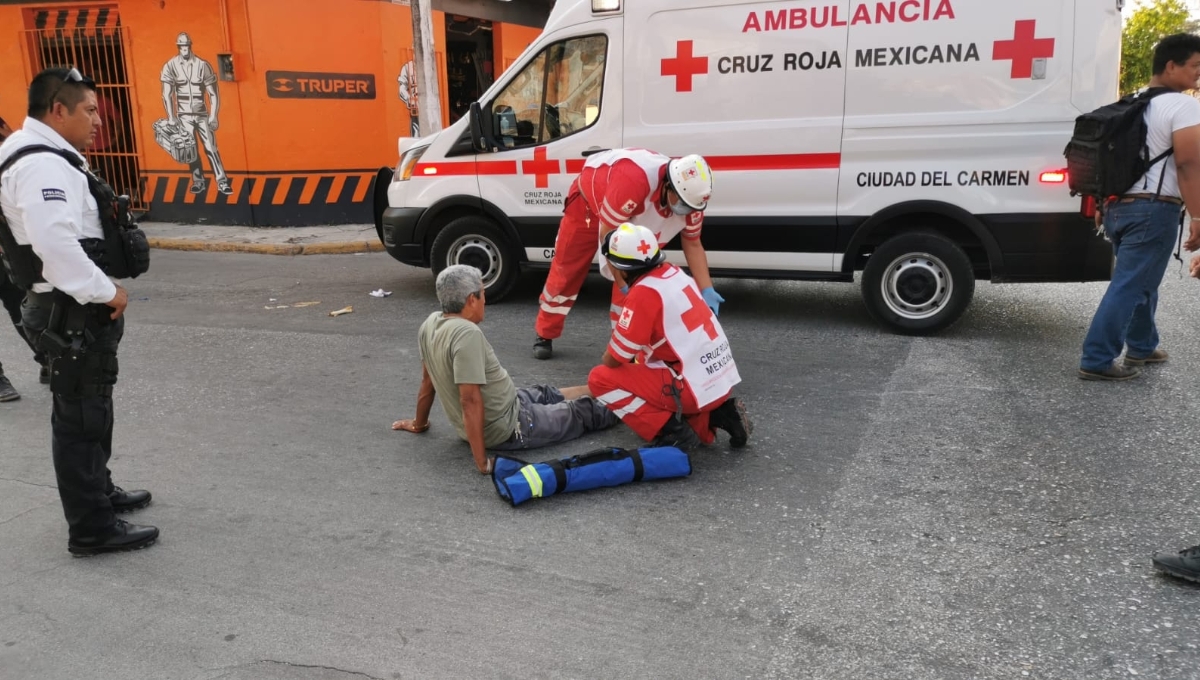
(534, 479)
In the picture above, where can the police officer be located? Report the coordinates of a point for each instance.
(75, 311)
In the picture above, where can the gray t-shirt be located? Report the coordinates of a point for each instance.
(455, 353)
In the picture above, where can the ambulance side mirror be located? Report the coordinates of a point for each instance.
(482, 136)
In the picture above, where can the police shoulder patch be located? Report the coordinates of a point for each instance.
(54, 195)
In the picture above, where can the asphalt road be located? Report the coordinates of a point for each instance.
(951, 507)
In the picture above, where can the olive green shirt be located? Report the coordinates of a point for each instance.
(455, 353)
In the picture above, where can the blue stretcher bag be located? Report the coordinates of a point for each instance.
(518, 481)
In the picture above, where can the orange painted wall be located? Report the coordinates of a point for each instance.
(290, 161)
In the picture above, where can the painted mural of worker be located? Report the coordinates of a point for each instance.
(410, 97)
(186, 78)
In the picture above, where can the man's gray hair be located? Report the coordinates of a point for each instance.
(455, 284)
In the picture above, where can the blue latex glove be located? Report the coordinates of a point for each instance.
(624, 290)
(713, 299)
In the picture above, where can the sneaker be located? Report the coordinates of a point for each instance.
(198, 187)
(1185, 564)
(543, 348)
(1158, 356)
(1115, 372)
(731, 417)
(224, 187)
(7, 391)
(677, 433)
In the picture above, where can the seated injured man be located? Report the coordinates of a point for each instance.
(480, 400)
(668, 371)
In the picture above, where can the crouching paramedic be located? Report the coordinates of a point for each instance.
(668, 371)
(480, 400)
(64, 238)
(666, 195)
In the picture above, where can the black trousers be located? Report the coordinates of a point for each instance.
(11, 297)
(82, 427)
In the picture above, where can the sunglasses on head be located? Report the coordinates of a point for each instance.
(73, 76)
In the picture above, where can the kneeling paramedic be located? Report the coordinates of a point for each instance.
(668, 371)
(666, 195)
(480, 400)
(64, 237)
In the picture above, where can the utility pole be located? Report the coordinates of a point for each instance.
(425, 61)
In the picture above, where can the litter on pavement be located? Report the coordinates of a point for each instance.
(343, 310)
(381, 293)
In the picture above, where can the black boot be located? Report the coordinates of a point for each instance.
(124, 501)
(731, 417)
(120, 537)
(7, 391)
(1185, 564)
(543, 348)
(677, 433)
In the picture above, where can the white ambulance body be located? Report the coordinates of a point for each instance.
(917, 141)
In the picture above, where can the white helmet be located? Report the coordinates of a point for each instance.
(691, 178)
(630, 247)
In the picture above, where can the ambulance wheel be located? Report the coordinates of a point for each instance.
(918, 283)
(477, 241)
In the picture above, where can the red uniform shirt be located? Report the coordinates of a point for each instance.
(625, 185)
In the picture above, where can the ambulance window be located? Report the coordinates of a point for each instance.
(556, 95)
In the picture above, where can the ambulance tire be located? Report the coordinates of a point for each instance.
(479, 242)
(918, 283)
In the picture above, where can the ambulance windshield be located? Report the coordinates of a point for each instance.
(555, 95)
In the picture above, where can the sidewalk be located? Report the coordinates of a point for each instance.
(324, 240)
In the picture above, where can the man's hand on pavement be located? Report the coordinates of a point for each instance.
(410, 425)
(119, 302)
(486, 468)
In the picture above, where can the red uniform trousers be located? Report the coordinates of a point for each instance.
(641, 397)
(576, 245)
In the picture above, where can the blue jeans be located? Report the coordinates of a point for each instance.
(1143, 233)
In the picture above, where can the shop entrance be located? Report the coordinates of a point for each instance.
(469, 67)
(91, 39)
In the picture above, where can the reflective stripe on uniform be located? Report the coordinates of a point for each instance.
(613, 397)
(632, 406)
(546, 297)
(550, 309)
(534, 480)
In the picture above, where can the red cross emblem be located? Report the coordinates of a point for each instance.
(699, 316)
(644, 248)
(1023, 49)
(540, 167)
(683, 66)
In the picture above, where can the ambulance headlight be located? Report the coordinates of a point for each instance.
(606, 5)
(409, 161)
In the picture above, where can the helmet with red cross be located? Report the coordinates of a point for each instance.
(630, 247)
(691, 178)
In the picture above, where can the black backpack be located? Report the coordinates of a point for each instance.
(1107, 153)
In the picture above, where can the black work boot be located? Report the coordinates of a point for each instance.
(677, 433)
(7, 391)
(120, 537)
(1185, 564)
(543, 348)
(125, 501)
(731, 417)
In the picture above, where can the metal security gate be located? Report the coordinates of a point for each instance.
(92, 40)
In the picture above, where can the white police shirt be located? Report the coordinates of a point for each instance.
(48, 206)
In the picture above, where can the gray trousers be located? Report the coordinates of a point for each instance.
(546, 417)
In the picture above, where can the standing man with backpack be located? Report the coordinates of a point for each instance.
(1143, 220)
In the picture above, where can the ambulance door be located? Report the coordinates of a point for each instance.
(562, 102)
(758, 89)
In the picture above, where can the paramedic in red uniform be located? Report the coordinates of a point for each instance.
(668, 371)
(668, 196)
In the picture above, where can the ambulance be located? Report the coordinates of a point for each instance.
(919, 142)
